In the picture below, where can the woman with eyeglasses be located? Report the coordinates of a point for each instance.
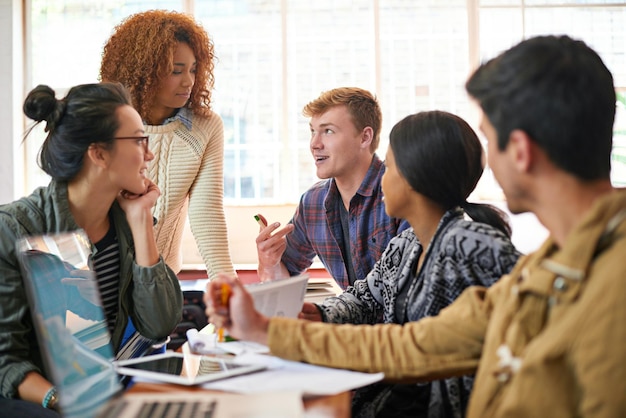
(97, 154)
(165, 59)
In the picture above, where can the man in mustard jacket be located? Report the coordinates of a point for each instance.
(549, 339)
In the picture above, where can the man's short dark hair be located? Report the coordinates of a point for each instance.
(560, 93)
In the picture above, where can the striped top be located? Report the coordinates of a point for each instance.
(106, 263)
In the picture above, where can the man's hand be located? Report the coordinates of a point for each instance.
(311, 312)
(270, 248)
(238, 315)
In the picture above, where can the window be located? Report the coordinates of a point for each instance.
(273, 57)
(273, 60)
(598, 23)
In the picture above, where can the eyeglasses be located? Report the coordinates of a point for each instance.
(143, 140)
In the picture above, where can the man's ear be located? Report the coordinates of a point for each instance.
(97, 155)
(367, 136)
(520, 148)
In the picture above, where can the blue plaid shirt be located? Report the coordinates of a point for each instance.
(184, 114)
(318, 228)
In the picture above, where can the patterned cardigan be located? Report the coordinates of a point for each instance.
(462, 253)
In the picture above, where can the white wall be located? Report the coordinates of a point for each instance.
(528, 233)
(11, 86)
(242, 232)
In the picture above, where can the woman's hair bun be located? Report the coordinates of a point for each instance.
(41, 104)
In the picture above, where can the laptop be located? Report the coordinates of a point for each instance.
(76, 344)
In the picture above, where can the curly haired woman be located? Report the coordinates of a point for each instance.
(165, 60)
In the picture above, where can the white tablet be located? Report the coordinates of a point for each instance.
(184, 369)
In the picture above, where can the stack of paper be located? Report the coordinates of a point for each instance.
(282, 297)
(318, 289)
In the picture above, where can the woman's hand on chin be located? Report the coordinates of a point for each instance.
(138, 205)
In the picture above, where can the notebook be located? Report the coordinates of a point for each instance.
(76, 344)
(281, 297)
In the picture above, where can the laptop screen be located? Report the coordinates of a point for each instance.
(69, 320)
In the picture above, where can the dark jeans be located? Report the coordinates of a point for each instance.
(16, 408)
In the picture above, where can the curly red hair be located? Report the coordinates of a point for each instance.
(139, 55)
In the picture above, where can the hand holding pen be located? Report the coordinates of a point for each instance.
(260, 219)
(238, 315)
(224, 297)
(271, 243)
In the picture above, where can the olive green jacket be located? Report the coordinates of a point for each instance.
(151, 296)
(547, 340)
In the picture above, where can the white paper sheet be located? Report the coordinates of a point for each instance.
(282, 297)
(289, 375)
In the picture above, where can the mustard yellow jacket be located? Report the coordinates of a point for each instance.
(547, 340)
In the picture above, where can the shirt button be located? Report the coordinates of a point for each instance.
(560, 284)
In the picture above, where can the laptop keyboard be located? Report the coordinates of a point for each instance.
(177, 409)
(164, 409)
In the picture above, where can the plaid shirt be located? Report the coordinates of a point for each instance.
(184, 114)
(318, 228)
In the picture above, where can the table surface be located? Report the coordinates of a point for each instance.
(332, 406)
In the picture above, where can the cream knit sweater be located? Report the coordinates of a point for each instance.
(188, 167)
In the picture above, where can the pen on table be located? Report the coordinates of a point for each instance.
(224, 295)
(260, 221)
